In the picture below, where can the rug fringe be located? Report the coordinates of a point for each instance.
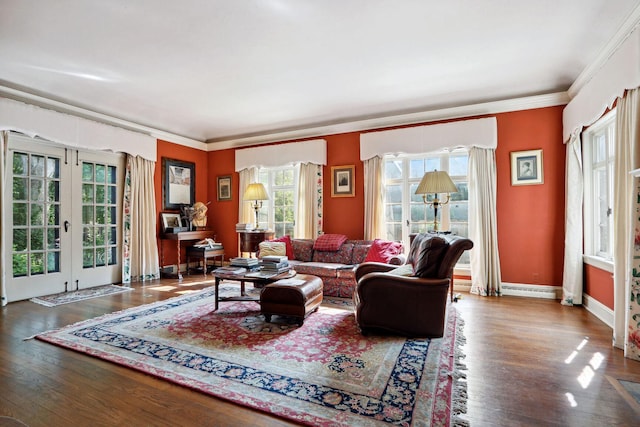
(459, 393)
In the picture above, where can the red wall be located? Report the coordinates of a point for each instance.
(530, 218)
(598, 284)
(166, 248)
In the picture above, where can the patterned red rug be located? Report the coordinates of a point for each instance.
(324, 373)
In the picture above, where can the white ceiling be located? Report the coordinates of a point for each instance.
(220, 70)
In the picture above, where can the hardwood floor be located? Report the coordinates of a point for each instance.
(518, 350)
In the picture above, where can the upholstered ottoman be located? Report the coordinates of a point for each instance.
(297, 297)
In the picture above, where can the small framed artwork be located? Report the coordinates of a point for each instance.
(342, 181)
(224, 187)
(170, 221)
(178, 183)
(526, 167)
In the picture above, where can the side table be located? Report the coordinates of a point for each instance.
(184, 236)
(249, 241)
(204, 254)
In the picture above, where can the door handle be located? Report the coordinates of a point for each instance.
(66, 226)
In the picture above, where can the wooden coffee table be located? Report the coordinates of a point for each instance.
(258, 282)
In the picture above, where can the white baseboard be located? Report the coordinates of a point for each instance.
(598, 309)
(531, 291)
(516, 289)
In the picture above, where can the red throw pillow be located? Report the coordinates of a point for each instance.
(287, 242)
(329, 242)
(383, 251)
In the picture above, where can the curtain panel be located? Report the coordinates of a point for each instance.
(310, 199)
(572, 276)
(246, 214)
(627, 140)
(140, 245)
(374, 193)
(486, 278)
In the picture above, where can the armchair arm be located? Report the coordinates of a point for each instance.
(371, 267)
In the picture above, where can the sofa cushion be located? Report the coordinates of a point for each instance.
(320, 269)
(288, 247)
(360, 251)
(302, 249)
(383, 251)
(270, 247)
(342, 256)
(427, 261)
(329, 242)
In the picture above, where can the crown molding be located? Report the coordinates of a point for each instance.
(625, 30)
(493, 107)
(62, 107)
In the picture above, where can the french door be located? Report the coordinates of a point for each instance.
(62, 218)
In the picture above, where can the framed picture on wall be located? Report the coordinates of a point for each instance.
(526, 167)
(342, 181)
(178, 183)
(224, 187)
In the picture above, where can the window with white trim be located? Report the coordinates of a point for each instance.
(279, 212)
(598, 158)
(406, 212)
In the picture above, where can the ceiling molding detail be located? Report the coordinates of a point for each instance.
(494, 107)
(625, 30)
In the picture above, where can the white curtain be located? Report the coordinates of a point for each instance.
(572, 276)
(626, 160)
(483, 231)
(374, 198)
(4, 141)
(140, 246)
(246, 214)
(309, 215)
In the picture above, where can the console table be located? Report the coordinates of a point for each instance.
(249, 241)
(184, 236)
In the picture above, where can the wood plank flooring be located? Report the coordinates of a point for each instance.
(530, 362)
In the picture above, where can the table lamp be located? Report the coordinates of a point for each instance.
(257, 193)
(436, 182)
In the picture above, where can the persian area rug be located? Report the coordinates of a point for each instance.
(324, 373)
(80, 295)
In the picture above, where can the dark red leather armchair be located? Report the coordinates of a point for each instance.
(411, 305)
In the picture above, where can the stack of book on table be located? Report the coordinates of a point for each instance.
(230, 270)
(248, 263)
(275, 264)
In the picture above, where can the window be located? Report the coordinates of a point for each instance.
(598, 161)
(279, 211)
(406, 212)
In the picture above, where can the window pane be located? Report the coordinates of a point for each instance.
(19, 239)
(458, 165)
(87, 258)
(37, 165)
(111, 175)
(416, 168)
(100, 192)
(20, 213)
(418, 213)
(53, 238)
(393, 213)
(20, 188)
(53, 192)
(37, 190)
(100, 173)
(87, 172)
(53, 262)
(393, 194)
(37, 263)
(53, 214)
(20, 162)
(37, 239)
(53, 168)
(87, 193)
(463, 192)
(433, 163)
(459, 211)
(20, 263)
(393, 169)
(37, 214)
